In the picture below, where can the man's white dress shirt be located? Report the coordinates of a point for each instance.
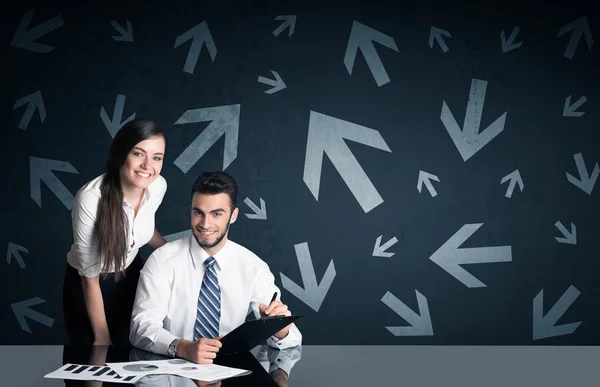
(167, 294)
(83, 255)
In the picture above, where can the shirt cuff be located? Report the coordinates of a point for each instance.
(291, 340)
(162, 342)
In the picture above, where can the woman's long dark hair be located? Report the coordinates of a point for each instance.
(112, 227)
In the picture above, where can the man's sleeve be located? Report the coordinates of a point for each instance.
(150, 308)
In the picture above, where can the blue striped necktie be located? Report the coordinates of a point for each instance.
(209, 304)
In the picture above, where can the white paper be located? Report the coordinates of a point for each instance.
(90, 372)
(180, 367)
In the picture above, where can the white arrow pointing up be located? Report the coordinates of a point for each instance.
(425, 178)
(468, 140)
(41, 170)
(289, 21)
(313, 293)
(579, 26)
(14, 251)
(515, 178)
(199, 35)
(437, 33)
(33, 101)
(23, 309)
(363, 37)
(326, 136)
(225, 122)
(449, 256)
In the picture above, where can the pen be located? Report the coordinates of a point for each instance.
(272, 299)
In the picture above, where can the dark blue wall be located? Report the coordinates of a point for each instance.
(495, 300)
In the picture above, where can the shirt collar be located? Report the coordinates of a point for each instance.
(199, 255)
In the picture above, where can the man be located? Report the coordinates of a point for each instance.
(195, 290)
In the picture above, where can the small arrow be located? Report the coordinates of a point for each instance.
(436, 33)
(24, 38)
(363, 37)
(380, 251)
(289, 21)
(569, 110)
(544, 326)
(515, 178)
(469, 141)
(509, 45)
(126, 34)
(13, 251)
(425, 178)
(449, 256)
(313, 293)
(41, 170)
(420, 324)
(585, 182)
(22, 309)
(115, 124)
(579, 27)
(179, 235)
(33, 101)
(200, 35)
(569, 237)
(277, 83)
(326, 136)
(225, 122)
(259, 213)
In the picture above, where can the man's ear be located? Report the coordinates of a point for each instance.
(234, 215)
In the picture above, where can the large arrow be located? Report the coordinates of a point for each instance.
(449, 256)
(362, 37)
(468, 140)
(509, 45)
(585, 182)
(41, 170)
(225, 121)
(200, 35)
(570, 110)
(24, 37)
(22, 309)
(115, 124)
(14, 251)
(513, 178)
(313, 293)
(420, 324)
(579, 27)
(545, 326)
(289, 21)
(437, 34)
(33, 101)
(259, 213)
(326, 136)
(126, 34)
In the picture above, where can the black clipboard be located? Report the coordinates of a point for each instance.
(252, 333)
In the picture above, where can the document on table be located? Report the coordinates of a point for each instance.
(180, 367)
(89, 372)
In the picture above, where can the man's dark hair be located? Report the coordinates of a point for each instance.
(211, 183)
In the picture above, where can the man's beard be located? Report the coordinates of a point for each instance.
(217, 241)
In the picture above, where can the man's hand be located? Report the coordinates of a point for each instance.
(280, 377)
(276, 308)
(202, 351)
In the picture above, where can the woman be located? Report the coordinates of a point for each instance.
(113, 217)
